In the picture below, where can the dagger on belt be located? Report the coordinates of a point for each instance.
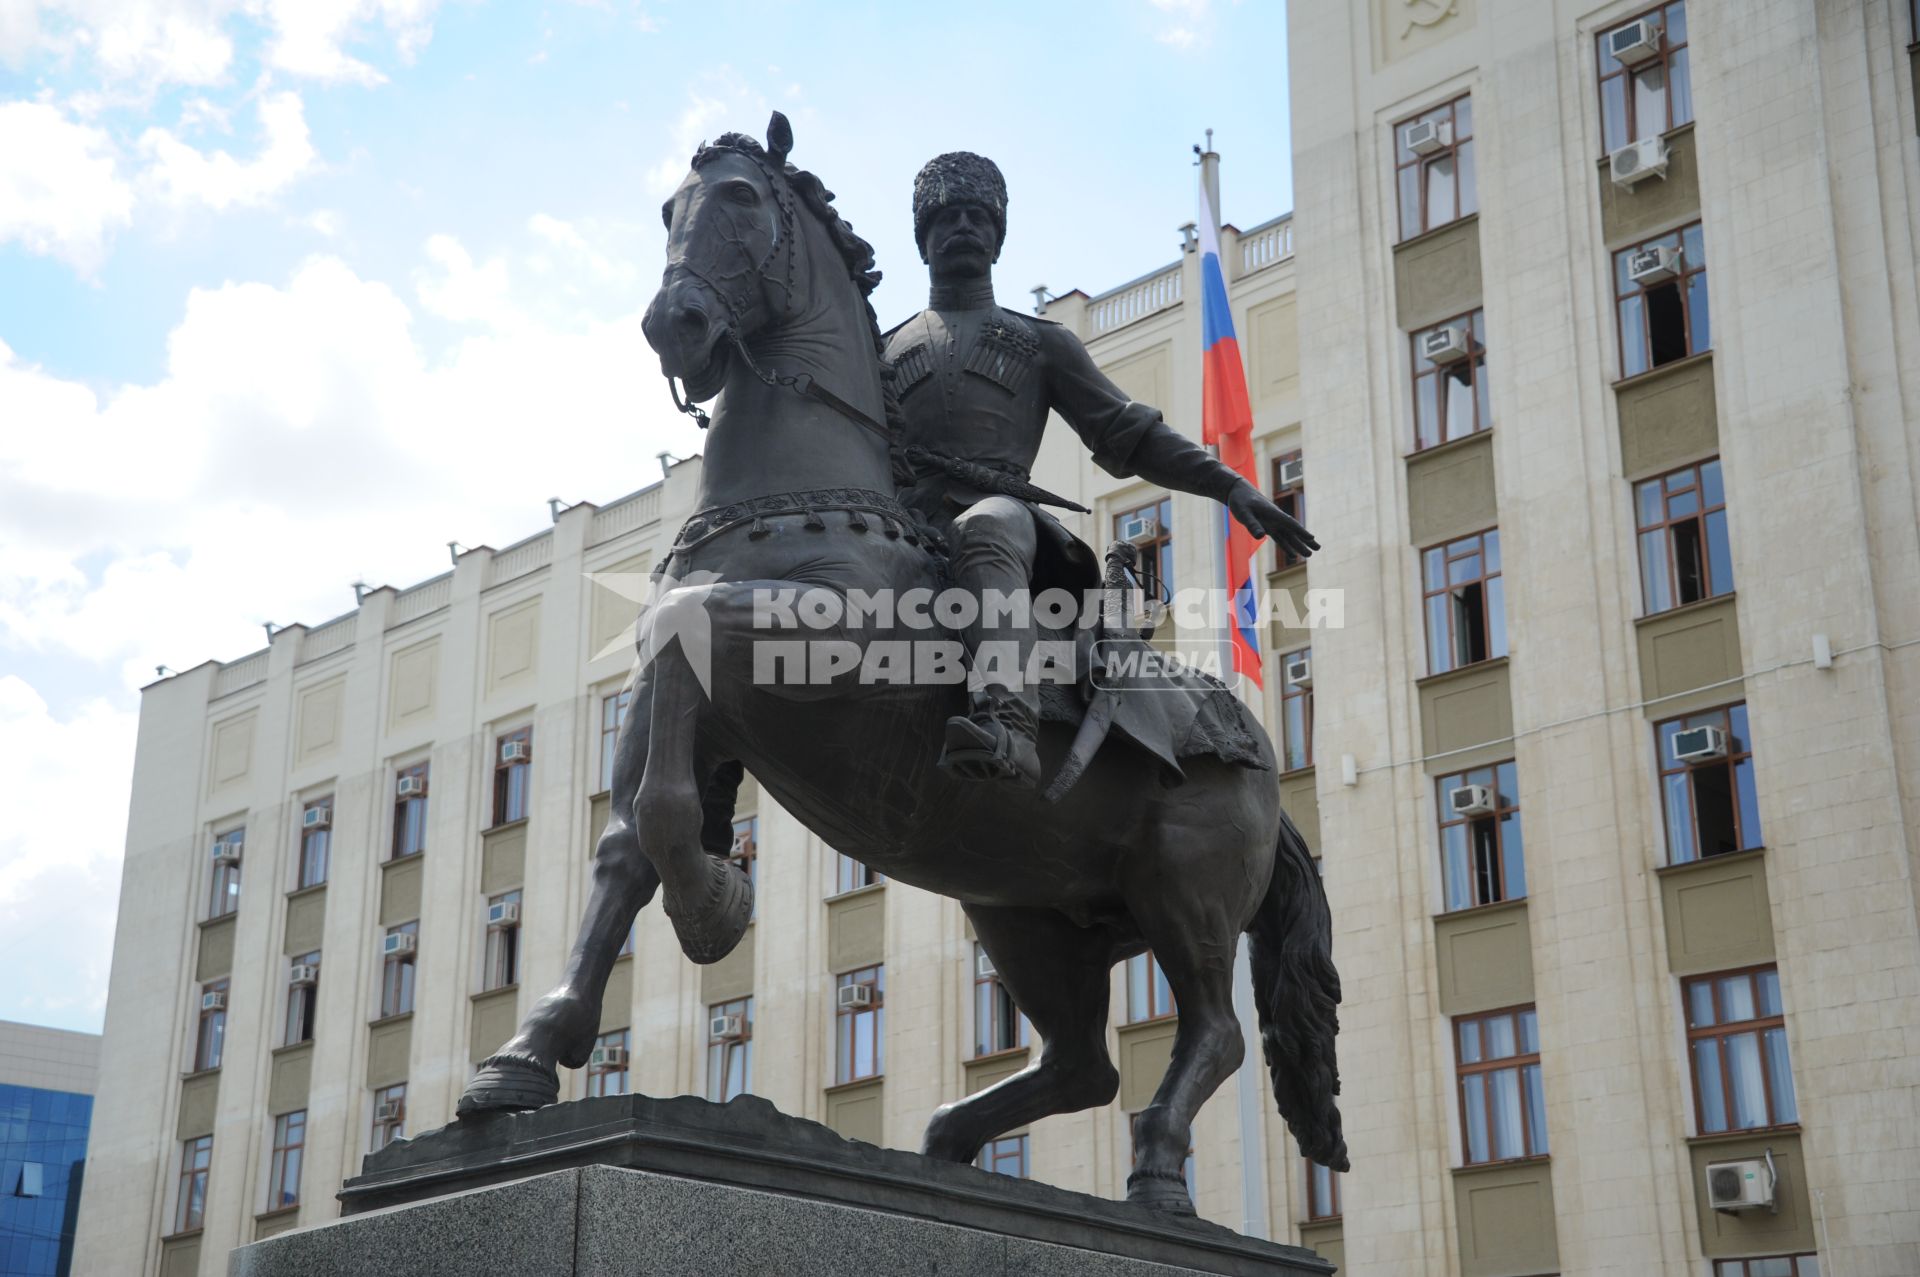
(1122, 557)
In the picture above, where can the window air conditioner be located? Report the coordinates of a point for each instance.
(983, 965)
(1744, 1185)
(1635, 42)
(1299, 670)
(1140, 529)
(399, 944)
(213, 1000)
(515, 751)
(412, 786)
(855, 997)
(226, 853)
(1652, 265)
(727, 1028)
(387, 1112)
(504, 914)
(1447, 345)
(305, 974)
(1424, 137)
(1698, 744)
(1636, 161)
(1470, 800)
(1292, 473)
(608, 1057)
(319, 817)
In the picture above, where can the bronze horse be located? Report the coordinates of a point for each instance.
(764, 303)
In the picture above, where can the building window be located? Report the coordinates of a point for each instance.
(410, 811)
(1653, 94)
(1296, 711)
(512, 775)
(210, 1039)
(1684, 554)
(396, 975)
(851, 875)
(1660, 289)
(1737, 1038)
(389, 1115)
(1433, 167)
(502, 957)
(303, 997)
(613, 712)
(1450, 380)
(224, 893)
(1769, 1266)
(997, 1022)
(1503, 1111)
(316, 841)
(1466, 602)
(1290, 494)
(289, 1143)
(1186, 1167)
(1149, 528)
(1323, 1193)
(860, 1025)
(608, 1069)
(1149, 996)
(730, 1049)
(1482, 858)
(1005, 1156)
(190, 1209)
(1706, 784)
(745, 852)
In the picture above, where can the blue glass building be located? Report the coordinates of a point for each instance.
(43, 1148)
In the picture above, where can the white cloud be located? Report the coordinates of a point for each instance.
(1189, 24)
(310, 34)
(155, 41)
(461, 291)
(183, 175)
(60, 851)
(61, 193)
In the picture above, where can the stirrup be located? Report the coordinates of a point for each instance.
(993, 742)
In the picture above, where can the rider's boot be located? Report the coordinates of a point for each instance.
(994, 740)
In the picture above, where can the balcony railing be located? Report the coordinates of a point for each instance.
(517, 560)
(428, 596)
(1145, 296)
(327, 639)
(1267, 244)
(245, 672)
(626, 514)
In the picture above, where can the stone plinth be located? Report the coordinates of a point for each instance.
(631, 1185)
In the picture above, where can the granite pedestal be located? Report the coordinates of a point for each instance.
(634, 1185)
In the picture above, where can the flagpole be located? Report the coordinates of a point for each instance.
(1250, 1100)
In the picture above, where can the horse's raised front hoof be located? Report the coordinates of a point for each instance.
(508, 1082)
(709, 930)
(1161, 1191)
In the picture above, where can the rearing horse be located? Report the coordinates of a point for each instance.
(764, 303)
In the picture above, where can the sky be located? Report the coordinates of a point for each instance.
(293, 292)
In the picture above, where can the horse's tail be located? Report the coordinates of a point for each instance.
(1297, 991)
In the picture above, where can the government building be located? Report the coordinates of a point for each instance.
(1591, 376)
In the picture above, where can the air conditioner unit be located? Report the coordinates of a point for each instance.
(1470, 800)
(1424, 137)
(1635, 42)
(1447, 345)
(304, 974)
(1140, 529)
(319, 817)
(412, 786)
(727, 1028)
(1637, 161)
(1652, 265)
(387, 1112)
(608, 1057)
(983, 965)
(399, 944)
(742, 842)
(1698, 744)
(226, 853)
(855, 997)
(1299, 670)
(1292, 473)
(213, 1000)
(515, 751)
(504, 914)
(1744, 1185)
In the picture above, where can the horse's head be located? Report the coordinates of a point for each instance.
(731, 256)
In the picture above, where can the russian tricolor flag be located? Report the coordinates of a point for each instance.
(1226, 422)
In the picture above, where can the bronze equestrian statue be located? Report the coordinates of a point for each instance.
(1173, 839)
